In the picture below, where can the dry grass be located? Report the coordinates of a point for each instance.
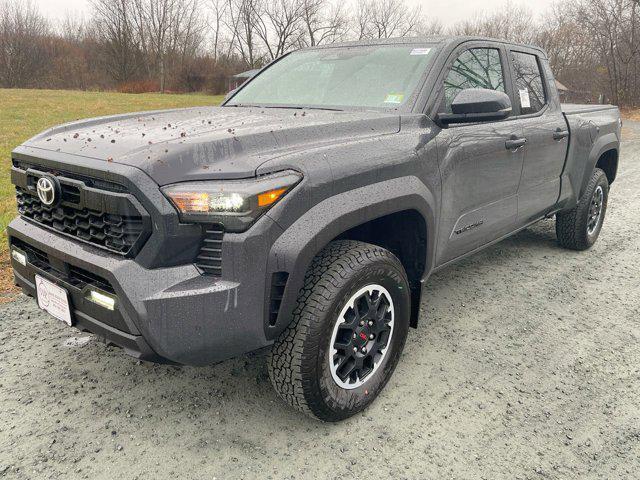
(24, 113)
(7, 289)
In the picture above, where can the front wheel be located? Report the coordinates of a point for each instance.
(347, 334)
(579, 228)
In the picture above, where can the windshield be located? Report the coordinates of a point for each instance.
(381, 76)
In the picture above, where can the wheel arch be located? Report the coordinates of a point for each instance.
(605, 153)
(353, 215)
(608, 162)
(405, 234)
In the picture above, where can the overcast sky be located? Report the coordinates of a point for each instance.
(448, 11)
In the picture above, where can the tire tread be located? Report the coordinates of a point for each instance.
(286, 364)
(571, 226)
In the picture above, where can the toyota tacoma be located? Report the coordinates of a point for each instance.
(303, 216)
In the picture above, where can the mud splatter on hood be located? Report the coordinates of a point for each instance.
(209, 142)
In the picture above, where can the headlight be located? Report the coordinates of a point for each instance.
(234, 203)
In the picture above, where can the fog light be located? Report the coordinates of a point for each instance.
(102, 299)
(19, 257)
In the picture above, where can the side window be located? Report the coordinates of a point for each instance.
(475, 68)
(528, 83)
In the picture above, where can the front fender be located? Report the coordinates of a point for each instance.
(305, 238)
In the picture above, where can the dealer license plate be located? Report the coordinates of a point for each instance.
(53, 299)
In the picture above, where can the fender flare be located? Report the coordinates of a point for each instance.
(295, 249)
(603, 144)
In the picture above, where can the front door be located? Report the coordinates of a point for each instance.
(479, 168)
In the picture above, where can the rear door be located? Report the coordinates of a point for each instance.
(480, 175)
(537, 107)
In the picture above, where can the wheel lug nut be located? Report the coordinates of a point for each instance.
(372, 336)
(363, 350)
(355, 336)
(362, 323)
(355, 349)
(371, 323)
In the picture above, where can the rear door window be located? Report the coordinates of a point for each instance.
(529, 84)
(474, 68)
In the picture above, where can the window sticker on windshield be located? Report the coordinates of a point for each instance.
(525, 100)
(394, 98)
(420, 51)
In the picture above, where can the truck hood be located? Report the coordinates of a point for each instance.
(209, 142)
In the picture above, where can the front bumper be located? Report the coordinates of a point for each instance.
(172, 314)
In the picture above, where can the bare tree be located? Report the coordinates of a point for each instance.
(386, 19)
(241, 22)
(117, 31)
(511, 22)
(23, 52)
(168, 29)
(280, 26)
(215, 23)
(323, 22)
(612, 27)
(427, 28)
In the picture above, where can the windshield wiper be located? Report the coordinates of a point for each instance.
(295, 107)
(324, 108)
(244, 105)
(289, 107)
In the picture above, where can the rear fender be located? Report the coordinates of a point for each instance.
(603, 144)
(581, 161)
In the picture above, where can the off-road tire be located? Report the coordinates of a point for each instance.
(572, 226)
(299, 361)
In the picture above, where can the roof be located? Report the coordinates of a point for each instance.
(436, 39)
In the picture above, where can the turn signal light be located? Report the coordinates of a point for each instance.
(271, 197)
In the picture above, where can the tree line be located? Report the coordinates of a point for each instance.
(196, 45)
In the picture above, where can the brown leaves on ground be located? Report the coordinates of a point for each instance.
(633, 114)
(8, 291)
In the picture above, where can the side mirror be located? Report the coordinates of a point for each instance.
(477, 105)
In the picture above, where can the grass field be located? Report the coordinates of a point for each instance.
(24, 113)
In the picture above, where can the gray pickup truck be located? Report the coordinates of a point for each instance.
(303, 216)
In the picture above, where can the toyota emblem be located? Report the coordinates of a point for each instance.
(46, 191)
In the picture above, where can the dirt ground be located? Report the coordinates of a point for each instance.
(526, 365)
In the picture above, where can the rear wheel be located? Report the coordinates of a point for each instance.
(347, 334)
(579, 228)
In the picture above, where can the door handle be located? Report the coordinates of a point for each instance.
(515, 143)
(560, 134)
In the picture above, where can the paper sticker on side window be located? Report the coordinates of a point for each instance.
(525, 100)
(394, 98)
(420, 51)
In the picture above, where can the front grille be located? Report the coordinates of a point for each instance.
(209, 259)
(116, 233)
(88, 181)
(74, 276)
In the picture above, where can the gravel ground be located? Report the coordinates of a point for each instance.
(525, 366)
